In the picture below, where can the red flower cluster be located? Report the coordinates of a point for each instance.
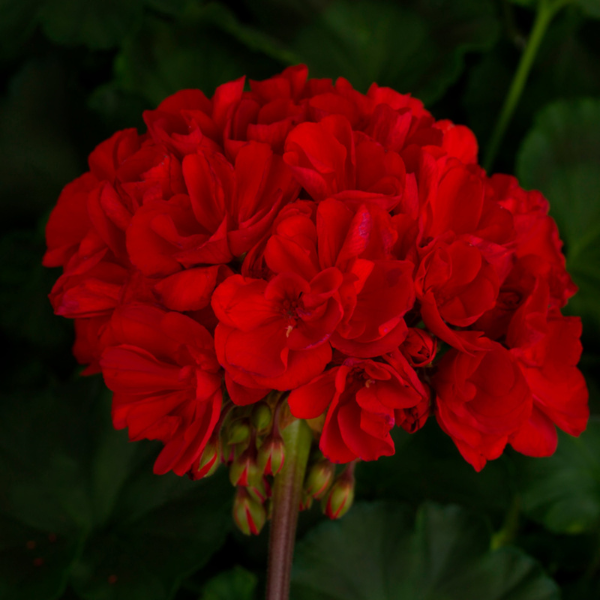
(306, 238)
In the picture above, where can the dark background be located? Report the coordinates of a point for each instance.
(81, 515)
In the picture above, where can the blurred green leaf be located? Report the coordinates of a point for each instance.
(236, 584)
(168, 7)
(427, 465)
(34, 563)
(205, 47)
(380, 552)
(416, 47)
(563, 490)
(97, 24)
(25, 311)
(44, 453)
(38, 157)
(566, 66)
(560, 157)
(590, 7)
(65, 473)
(17, 22)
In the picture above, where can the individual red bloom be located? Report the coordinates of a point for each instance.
(224, 213)
(455, 285)
(483, 399)
(330, 160)
(560, 395)
(537, 233)
(548, 349)
(188, 120)
(166, 382)
(376, 291)
(276, 335)
(362, 399)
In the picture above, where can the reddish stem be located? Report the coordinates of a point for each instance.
(286, 503)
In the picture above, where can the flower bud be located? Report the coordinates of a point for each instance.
(340, 497)
(419, 347)
(319, 478)
(412, 419)
(261, 492)
(305, 501)
(261, 416)
(244, 470)
(271, 454)
(209, 460)
(238, 431)
(248, 513)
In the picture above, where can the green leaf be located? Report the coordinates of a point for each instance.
(65, 472)
(236, 584)
(427, 466)
(380, 551)
(97, 24)
(590, 7)
(38, 157)
(563, 490)
(25, 312)
(566, 66)
(34, 563)
(158, 533)
(203, 48)
(560, 157)
(17, 22)
(416, 47)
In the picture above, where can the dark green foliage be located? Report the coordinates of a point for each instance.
(382, 552)
(81, 514)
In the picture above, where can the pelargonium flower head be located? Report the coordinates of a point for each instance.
(317, 253)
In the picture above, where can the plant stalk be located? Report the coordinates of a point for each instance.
(546, 11)
(287, 493)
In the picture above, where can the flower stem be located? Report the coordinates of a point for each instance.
(286, 502)
(546, 11)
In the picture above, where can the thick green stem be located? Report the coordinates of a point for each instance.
(287, 493)
(545, 13)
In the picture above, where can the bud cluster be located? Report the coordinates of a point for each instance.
(248, 440)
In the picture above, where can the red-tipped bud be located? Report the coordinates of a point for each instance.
(340, 497)
(262, 491)
(238, 431)
(319, 478)
(244, 470)
(262, 417)
(271, 454)
(209, 460)
(306, 501)
(248, 513)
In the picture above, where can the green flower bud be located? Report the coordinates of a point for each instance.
(339, 498)
(209, 460)
(271, 454)
(244, 470)
(238, 431)
(249, 514)
(319, 478)
(261, 416)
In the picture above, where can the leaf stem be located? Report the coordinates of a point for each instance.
(546, 11)
(286, 502)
